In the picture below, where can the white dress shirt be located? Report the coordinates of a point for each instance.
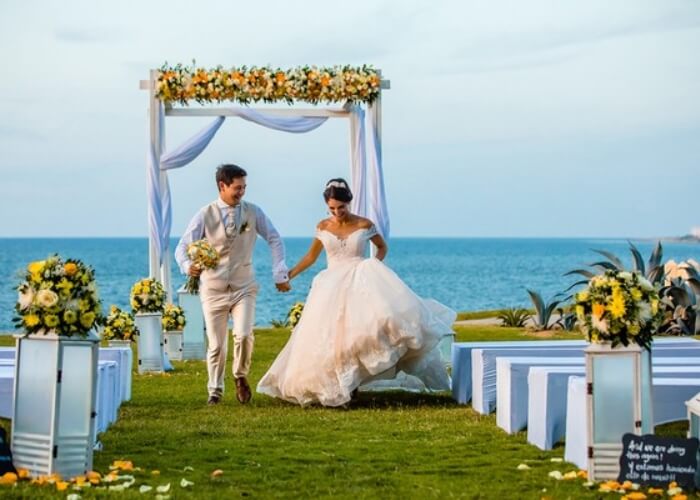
(263, 226)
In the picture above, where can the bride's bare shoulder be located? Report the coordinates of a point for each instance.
(322, 225)
(364, 223)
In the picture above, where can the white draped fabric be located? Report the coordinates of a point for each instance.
(369, 191)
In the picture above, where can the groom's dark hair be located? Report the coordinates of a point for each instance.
(227, 172)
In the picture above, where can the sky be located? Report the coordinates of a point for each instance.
(521, 118)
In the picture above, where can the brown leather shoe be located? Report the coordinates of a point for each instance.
(243, 390)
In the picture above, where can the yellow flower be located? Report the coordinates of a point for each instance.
(633, 329)
(70, 268)
(636, 294)
(31, 320)
(654, 306)
(598, 310)
(580, 312)
(70, 317)
(36, 267)
(87, 319)
(582, 296)
(51, 320)
(617, 305)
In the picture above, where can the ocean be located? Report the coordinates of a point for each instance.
(466, 274)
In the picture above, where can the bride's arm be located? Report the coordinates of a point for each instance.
(381, 245)
(308, 259)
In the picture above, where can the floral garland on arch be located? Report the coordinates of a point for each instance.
(263, 83)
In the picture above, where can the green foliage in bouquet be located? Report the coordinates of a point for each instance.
(57, 296)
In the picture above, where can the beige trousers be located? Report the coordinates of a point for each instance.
(217, 306)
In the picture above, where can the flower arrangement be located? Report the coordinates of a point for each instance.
(58, 297)
(173, 318)
(295, 314)
(203, 255)
(147, 296)
(119, 325)
(620, 307)
(243, 84)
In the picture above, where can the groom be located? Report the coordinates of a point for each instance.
(231, 226)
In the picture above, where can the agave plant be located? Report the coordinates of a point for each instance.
(514, 316)
(567, 321)
(681, 307)
(543, 310)
(653, 270)
(279, 323)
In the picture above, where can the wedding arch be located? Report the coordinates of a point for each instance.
(354, 91)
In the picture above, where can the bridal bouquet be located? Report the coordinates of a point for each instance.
(173, 318)
(202, 255)
(295, 314)
(147, 296)
(619, 307)
(119, 325)
(58, 297)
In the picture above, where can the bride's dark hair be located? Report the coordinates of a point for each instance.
(337, 189)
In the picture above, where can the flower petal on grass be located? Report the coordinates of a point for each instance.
(164, 488)
(188, 469)
(144, 488)
(219, 472)
(555, 474)
(184, 483)
(556, 459)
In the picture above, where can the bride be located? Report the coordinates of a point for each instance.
(360, 321)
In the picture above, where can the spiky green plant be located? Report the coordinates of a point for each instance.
(514, 317)
(543, 310)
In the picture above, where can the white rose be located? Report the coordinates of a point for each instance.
(645, 284)
(46, 298)
(25, 298)
(599, 324)
(644, 311)
(625, 275)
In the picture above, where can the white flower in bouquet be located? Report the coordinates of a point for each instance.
(25, 297)
(46, 298)
(599, 324)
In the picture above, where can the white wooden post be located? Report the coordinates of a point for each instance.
(154, 126)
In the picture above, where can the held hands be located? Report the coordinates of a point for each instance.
(283, 287)
(194, 270)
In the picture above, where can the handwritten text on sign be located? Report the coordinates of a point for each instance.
(658, 461)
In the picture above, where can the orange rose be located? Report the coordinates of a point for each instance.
(70, 268)
(598, 310)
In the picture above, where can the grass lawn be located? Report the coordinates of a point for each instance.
(390, 445)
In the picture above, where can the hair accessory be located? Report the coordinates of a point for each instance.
(337, 184)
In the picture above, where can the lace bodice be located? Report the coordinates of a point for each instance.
(353, 246)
